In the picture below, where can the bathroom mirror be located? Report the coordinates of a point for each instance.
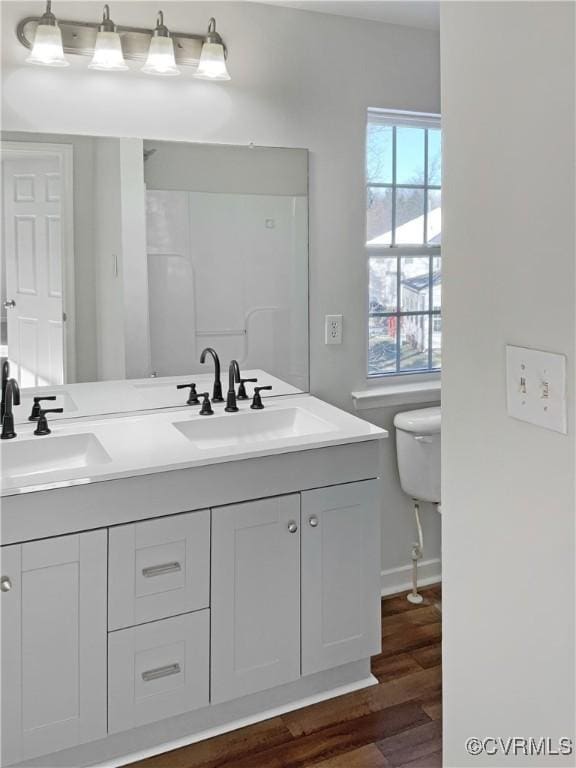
(123, 258)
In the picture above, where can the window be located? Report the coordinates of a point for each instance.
(403, 233)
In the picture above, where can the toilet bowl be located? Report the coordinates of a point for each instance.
(418, 453)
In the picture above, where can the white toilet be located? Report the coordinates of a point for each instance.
(418, 452)
(418, 440)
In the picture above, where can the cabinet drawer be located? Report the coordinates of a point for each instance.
(158, 670)
(158, 568)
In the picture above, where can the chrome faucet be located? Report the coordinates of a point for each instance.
(217, 391)
(233, 377)
(11, 398)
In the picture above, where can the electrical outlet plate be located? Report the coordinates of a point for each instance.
(333, 329)
(536, 387)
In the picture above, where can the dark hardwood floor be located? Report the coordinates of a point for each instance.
(396, 724)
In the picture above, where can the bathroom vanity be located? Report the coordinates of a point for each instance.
(167, 577)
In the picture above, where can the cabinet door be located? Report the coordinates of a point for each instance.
(340, 575)
(53, 645)
(255, 603)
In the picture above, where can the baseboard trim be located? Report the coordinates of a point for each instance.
(395, 580)
(119, 749)
(242, 722)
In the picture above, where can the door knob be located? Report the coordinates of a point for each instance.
(292, 526)
(5, 584)
(313, 520)
(10, 304)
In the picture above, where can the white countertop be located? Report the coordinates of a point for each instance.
(127, 446)
(133, 395)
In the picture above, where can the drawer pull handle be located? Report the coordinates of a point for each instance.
(156, 674)
(161, 570)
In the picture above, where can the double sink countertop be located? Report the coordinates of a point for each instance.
(87, 450)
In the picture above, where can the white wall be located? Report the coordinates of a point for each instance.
(299, 80)
(508, 82)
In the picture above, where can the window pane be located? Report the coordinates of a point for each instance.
(379, 216)
(434, 157)
(409, 216)
(436, 341)
(379, 147)
(382, 345)
(434, 224)
(410, 155)
(415, 284)
(383, 284)
(436, 283)
(413, 342)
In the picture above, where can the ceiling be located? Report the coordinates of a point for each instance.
(411, 13)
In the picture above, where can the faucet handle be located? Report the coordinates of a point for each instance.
(257, 403)
(35, 413)
(206, 409)
(193, 397)
(42, 427)
(242, 394)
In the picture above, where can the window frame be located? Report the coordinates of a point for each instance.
(396, 118)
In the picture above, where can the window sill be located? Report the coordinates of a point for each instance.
(403, 393)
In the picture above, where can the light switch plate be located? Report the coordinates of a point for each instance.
(536, 387)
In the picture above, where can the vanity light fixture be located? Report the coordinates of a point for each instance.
(111, 46)
(108, 48)
(47, 48)
(212, 64)
(161, 59)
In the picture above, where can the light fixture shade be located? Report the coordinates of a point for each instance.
(161, 59)
(108, 53)
(47, 49)
(212, 64)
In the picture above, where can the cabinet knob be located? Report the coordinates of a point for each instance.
(5, 584)
(292, 526)
(313, 520)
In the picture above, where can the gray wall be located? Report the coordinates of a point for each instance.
(508, 93)
(226, 169)
(299, 80)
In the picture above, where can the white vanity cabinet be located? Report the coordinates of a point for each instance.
(201, 600)
(54, 638)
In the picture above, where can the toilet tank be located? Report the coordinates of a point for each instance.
(418, 453)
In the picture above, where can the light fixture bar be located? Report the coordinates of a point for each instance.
(79, 38)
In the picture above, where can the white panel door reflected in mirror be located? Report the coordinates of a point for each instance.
(32, 276)
(125, 257)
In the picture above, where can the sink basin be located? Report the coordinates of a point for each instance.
(243, 429)
(41, 455)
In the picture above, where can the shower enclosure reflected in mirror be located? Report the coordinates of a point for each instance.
(124, 257)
